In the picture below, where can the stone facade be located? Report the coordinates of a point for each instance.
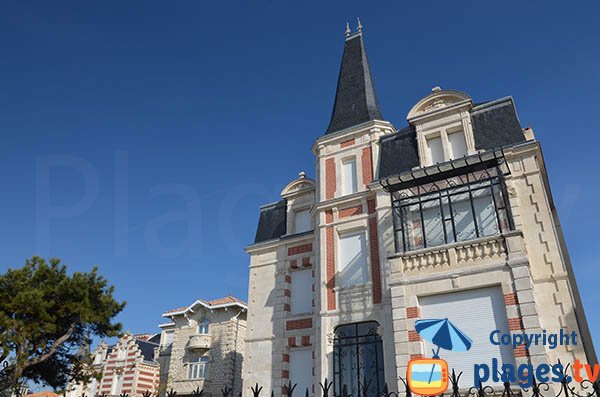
(525, 261)
(209, 335)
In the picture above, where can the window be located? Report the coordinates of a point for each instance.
(435, 150)
(121, 353)
(168, 338)
(301, 300)
(302, 221)
(198, 369)
(475, 312)
(203, 327)
(117, 384)
(349, 176)
(301, 371)
(457, 209)
(352, 262)
(457, 143)
(358, 355)
(444, 145)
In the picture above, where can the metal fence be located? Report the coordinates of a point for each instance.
(565, 388)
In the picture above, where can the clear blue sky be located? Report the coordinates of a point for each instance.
(166, 124)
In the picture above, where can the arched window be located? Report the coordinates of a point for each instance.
(358, 359)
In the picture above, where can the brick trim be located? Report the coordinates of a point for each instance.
(413, 356)
(285, 358)
(330, 262)
(371, 206)
(413, 336)
(515, 324)
(413, 312)
(375, 269)
(294, 264)
(521, 351)
(306, 340)
(302, 323)
(351, 211)
(300, 249)
(367, 166)
(306, 261)
(292, 341)
(328, 216)
(329, 178)
(285, 374)
(347, 143)
(511, 299)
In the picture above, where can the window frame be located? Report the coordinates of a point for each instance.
(204, 324)
(198, 367)
(364, 253)
(490, 178)
(344, 189)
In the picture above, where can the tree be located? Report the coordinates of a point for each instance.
(46, 315)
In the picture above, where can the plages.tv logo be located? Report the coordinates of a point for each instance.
(429, 376)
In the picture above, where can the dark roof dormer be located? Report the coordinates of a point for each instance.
(355, 98)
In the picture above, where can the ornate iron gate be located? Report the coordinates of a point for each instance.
(358, 360)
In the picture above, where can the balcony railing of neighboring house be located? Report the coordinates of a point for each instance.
(199, 341)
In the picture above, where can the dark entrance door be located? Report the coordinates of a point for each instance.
(358, 359)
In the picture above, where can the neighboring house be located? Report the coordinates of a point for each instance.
(128, 367)
(448, 217)
(202, 347)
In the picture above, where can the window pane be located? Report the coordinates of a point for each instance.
(302, 221)
(485, 213)
(435, 150)
(432, 218)
(463, 217)
(352, 260)
(458, 145)
(412, 227)
(348, 176)
(301, 371)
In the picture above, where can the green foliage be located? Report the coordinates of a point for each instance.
(46, 315)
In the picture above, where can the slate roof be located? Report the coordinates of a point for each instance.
(147, 349)
(272, 221)
(495, 125)
(355, 98)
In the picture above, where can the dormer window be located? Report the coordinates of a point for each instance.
(302, 221)
(446, 144)
(349, 183)
(203, 327)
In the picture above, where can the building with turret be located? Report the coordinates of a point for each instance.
(449, 216)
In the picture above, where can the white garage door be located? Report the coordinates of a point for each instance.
(301, 371)
(477, 313)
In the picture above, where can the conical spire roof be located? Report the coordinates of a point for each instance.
(355, 98)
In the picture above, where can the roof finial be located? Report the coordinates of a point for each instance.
(347, 29)
(359, 27)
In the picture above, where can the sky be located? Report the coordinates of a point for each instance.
(142, 137)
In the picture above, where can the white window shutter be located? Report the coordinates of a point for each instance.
(477, 313)
(458, 145)
(435, 150)
(301, 299)
(349, 176)
(301, 371)
(352, 265)
(302, 221)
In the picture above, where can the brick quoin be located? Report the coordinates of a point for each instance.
(299, 249)
(287, 292)
(511, 299)
(413, 356)
(140, 379)
(298, 324)
(294, 264)
(288, 279)
(306, 261)
(330, 268)
(285, 358)
(371, 206)
(413, 312)
(347, 143)
(306, 340)
(285, 374)
(413, 336)
(328, 216)
(375, 270)
(286, 307)
(351, 211)
(521, 351)
(367, 166)
(292, 341)
(329, 179)
(515, 324)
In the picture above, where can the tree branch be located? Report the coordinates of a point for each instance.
(57, 343)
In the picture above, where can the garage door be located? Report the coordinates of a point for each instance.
(477, 313)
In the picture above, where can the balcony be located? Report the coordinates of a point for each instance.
(472, 253)
(199, 342)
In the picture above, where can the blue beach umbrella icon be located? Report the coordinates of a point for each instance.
(443, 334)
